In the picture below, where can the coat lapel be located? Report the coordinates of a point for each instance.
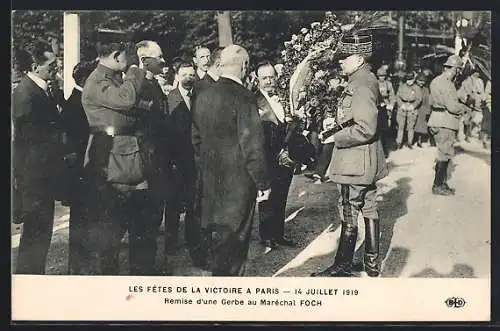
(267, 113)
(175, 100)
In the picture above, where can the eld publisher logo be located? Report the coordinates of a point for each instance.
(455, 302)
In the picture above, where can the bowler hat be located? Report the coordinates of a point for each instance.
(356, 44)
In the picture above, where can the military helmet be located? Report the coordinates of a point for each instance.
(410, 75)
(454, 61)
(381, 71)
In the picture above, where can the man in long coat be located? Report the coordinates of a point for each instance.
(358, 158)
(228, 141)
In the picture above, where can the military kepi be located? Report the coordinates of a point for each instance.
(109, 36)
(356, 44)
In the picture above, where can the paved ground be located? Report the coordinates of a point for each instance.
(422, 235)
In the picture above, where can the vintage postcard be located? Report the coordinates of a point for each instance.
(296, 166)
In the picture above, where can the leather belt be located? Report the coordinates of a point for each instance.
(438, 109)
(330, 132)
(113, 131)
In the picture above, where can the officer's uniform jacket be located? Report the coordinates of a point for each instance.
(409, 95)
(387, 93)
(109, 103)
(446, 109)
(358, 156)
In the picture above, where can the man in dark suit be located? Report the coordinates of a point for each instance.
(228, 141)
(77, 129)
(181, 169)
(201, 61)
(156, 127)
(272, 114)
(38, 154)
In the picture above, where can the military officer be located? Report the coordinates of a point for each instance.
(386, 106)
(444, 121)
(358, 158)
(409, 98)
(117, 188)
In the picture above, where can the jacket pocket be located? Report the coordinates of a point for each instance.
(125, 161)
(349, 161)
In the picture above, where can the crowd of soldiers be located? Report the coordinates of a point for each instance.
(140, 142)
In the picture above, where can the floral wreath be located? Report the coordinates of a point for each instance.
(309, 84)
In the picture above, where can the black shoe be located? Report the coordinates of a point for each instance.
(410, 146)
(450, 189)
(342, 265)
(441, 190)
(271, 244)
(419, 144)
(286, 242)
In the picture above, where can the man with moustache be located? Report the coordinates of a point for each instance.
(229, 146)
(181, 168)
(116, 166)
(358, 160)
(38, 153)
(156, 127)
(201, 61)
(212, 74)
(272, 114)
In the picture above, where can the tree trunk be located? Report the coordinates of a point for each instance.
(224, 26)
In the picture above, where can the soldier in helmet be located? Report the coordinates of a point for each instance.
(385, 107)
(444, 120)
(358, 159)
(409, 98)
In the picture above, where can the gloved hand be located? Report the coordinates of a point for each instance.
(328, 123)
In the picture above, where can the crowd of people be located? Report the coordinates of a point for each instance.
(141, 142)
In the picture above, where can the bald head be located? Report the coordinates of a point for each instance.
(234, 60)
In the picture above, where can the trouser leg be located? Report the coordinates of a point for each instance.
(142, 233)
(35, 239)
(401, 120)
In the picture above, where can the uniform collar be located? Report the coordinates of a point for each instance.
(362, 69)
(107, 71)
(38, 81)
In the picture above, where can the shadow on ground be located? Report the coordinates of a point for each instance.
(458, 271)
(482, 155)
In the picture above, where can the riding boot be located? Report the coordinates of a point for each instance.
(343, 259)
(419, 141)
(438, 188)
(372, 243)
(445, 176)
